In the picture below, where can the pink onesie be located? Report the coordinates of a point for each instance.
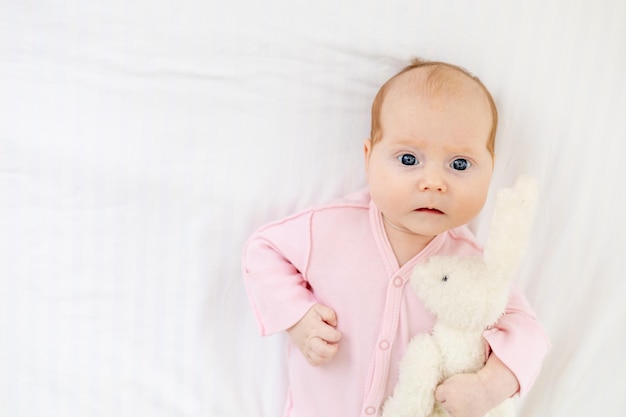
(339, 255)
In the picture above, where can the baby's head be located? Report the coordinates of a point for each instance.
(429, 159)
(436, 78)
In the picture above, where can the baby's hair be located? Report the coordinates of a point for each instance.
(438, 80)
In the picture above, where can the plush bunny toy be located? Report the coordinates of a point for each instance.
(466, 295)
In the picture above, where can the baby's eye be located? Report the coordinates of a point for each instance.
(460, 164)
(408, 159)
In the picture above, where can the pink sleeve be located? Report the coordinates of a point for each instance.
(519, 340)
(274, 261)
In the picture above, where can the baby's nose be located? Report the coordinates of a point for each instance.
(432, 180)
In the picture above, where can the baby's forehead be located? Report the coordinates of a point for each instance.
(434, 80)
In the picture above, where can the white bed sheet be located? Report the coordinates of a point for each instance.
(142, 142)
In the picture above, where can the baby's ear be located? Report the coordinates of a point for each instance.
(367, 151)
(367, 147)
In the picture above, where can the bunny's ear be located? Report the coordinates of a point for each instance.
(511, 225)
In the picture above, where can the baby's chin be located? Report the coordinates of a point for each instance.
(420, 232)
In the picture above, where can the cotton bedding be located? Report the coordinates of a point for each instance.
(142, 142)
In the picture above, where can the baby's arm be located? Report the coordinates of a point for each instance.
(519, 340)
(316, 334)
(518, 343)
(273, 260)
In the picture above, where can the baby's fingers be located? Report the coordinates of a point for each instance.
(329, 334)
(321, 351)
(327, 314)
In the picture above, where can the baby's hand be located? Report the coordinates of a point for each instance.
(474, 395)
(464, 395)
(315, 334)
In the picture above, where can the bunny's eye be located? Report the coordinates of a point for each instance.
(445, 278)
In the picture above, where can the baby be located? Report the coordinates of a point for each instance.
(334, 277)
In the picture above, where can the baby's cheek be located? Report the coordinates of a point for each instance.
(471, 205)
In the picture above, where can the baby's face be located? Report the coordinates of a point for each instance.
(431, 169)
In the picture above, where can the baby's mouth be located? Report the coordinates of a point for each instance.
(429, 210)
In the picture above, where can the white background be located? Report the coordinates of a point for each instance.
(141, 142)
